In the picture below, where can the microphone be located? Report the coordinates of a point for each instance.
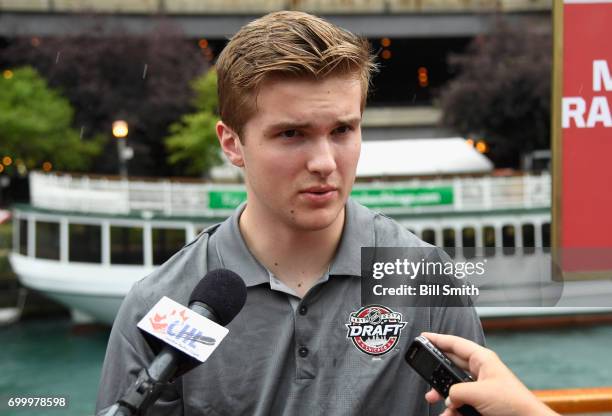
(219, 296)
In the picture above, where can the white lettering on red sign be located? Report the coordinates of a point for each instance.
(585, 114)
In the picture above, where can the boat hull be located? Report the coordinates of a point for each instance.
(88, 290)
(95, 291)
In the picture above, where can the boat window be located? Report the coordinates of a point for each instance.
(47, 240)
(84, 243)
(448, 239)
(166, 242)
(508, 239)
(126, 245)
(528, 231)
(546, 237)
(23, 237)
(488, 240)
(429, 236)
(468, 241)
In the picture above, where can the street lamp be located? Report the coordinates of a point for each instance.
(120, 132)
(120, 129)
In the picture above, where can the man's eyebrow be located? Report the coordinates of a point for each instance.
(290, 125)
(350, 120)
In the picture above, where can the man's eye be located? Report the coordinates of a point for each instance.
(342, 130)
(288, 134)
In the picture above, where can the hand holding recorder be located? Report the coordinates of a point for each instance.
(496, 391)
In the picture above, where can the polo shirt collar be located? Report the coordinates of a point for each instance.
(234, 254)
(358, 232)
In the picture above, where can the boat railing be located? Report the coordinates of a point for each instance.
(592, 400)
(171, 198)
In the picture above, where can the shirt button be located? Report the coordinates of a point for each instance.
(303, 352)
(303, 310)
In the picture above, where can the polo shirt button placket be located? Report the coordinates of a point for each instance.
(305, 361)
(303, 352)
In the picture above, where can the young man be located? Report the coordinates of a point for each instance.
(292, 89)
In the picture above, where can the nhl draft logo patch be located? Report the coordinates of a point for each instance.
(375, 329)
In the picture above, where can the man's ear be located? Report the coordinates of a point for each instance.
(230, 144)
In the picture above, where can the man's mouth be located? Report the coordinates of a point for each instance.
(320, 194)
(320, 189)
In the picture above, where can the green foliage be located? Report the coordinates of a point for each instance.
(503, 92)
(35, 124)
(143, 79)
(193, 142)
(6, 238)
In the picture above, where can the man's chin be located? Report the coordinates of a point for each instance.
(311, 226)
(317, 220)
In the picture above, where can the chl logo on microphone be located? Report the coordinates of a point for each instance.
(375, 329)
(175, 325)
(183, 328)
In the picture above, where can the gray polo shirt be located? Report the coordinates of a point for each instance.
(280, 359)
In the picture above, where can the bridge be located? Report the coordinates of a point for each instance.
(222, 18)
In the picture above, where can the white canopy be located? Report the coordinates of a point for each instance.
(416, 157)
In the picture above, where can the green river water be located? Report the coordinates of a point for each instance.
(46, 358)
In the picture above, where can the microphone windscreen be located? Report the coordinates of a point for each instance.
(223, 291)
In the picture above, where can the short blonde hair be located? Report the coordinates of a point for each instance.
(289, 44)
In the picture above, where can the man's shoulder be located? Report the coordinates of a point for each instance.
(178, 275)
(387, 231)
(391, 233)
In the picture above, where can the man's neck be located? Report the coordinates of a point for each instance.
(296, 257)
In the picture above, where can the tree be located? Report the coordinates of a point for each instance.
(35, 124)
(109, 75)
(193, 142)
(503, 92)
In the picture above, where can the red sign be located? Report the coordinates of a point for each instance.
(586, 136)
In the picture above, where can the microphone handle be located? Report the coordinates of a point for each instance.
(151, 381)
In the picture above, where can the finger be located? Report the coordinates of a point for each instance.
(468, 393)
(446, 412)
(432, 396)
(460, 346)
(449, 412)
(448, 403)
(466, 350)
(459, 362)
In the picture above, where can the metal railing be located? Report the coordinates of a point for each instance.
(593, 400)
(171, 198)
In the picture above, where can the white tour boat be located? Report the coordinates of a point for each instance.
(84, 241)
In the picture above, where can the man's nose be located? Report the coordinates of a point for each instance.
(322, 158)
